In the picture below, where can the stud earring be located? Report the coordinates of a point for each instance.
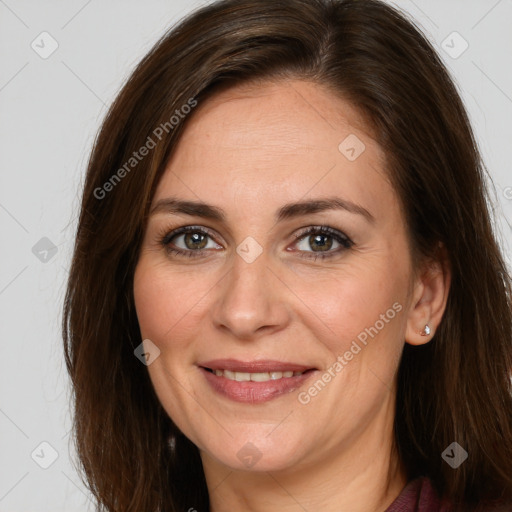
(426, 331)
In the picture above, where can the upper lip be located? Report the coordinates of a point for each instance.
(257, 366)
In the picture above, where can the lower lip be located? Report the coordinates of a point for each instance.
(254, 392)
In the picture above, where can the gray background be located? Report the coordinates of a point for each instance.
(50, 111)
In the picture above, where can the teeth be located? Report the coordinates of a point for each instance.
(255, 377)
(229, 375)
(259, 377)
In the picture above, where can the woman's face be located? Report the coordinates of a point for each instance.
(278, 342)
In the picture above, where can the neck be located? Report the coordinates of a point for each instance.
(363, 474)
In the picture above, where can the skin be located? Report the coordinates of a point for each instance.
(249, 150)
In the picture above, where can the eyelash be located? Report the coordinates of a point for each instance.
(341, 238)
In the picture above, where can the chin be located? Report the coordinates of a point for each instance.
(258, 453)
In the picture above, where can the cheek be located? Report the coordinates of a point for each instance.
(153, 303)
(165, 301)
(354, 303)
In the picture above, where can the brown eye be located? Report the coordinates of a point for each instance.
(320, 242)
(195, 240)
(189, 241)
(317, 241)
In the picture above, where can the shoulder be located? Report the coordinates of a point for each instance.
(419, 495)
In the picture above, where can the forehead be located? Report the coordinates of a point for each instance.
(287, 116)
(275, 142)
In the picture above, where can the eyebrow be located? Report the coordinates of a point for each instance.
(291, 210)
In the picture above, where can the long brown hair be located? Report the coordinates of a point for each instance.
(455, 388)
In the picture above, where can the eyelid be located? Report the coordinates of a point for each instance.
(343, 240)
(322, 229)
(167, 235)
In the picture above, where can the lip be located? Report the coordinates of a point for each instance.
(249, 391)
(264, 365)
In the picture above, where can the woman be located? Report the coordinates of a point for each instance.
(217, 363)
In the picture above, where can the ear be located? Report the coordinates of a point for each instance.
(430, 294)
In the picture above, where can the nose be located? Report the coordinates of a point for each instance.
(251, 299)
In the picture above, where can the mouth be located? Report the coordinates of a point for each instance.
(254, 377)
(254, 381)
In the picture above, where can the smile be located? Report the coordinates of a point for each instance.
(255, 377)
(254, 381)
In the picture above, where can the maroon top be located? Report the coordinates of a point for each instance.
(420, 496)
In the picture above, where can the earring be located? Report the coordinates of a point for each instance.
(426, 331)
